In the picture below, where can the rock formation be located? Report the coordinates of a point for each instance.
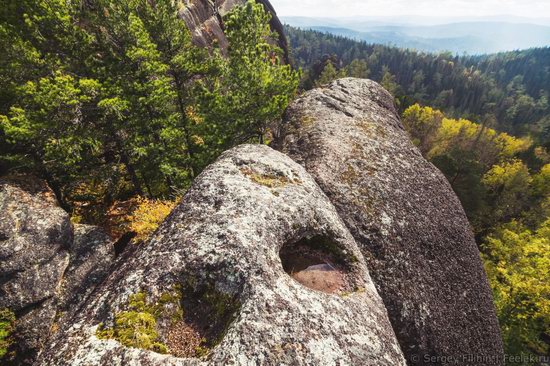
(91, 258)
(215, 286)
(46, 268)
(404, 215)
(265, 261)
(205, 20)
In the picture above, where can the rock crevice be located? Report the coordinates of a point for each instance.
(48, 267)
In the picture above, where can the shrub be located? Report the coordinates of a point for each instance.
(148, 215)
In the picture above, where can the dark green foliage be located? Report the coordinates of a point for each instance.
(110, 99)
(98, 101)
(247, 97)
(464, 172)
(514, 87)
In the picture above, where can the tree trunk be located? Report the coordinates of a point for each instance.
(129, 167)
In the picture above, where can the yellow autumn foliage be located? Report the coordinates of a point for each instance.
(517, 262)
(436, 135)
(465, 133)
(148, 215)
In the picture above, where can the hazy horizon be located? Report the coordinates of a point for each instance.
(471, 35)
(530, 9)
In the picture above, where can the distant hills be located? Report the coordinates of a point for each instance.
(460, 35)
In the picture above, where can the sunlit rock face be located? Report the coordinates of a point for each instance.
(205, 20)
(245, 257)
(402, 212)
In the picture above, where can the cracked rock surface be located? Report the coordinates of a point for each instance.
(46, 266)
(226, 235)
(402, 212)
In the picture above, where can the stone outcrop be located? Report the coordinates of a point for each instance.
(254, 266)
(403, 214)
(205, 20)
(266, 260)
(91, 258)
(46, 268)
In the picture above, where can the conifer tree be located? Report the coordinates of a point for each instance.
(101, 98)
(246, 100)
(358, 69)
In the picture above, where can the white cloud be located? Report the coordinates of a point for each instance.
(449, 8)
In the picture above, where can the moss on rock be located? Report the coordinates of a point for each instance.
(162, 326)
(7, 322)
(137, 326)
(210, 311)
(270, 180)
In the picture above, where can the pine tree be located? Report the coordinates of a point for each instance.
(102, 100)
(329, 74)
(246, 100)
(358, 68)
(388, 81)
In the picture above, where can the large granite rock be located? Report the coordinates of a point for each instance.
(253, 267)
(404, 215)
(35, 237)
(45, 266)
(205, 20)
(91, 256)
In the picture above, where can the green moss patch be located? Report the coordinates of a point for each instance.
(271, 180)
(210, 311)
(137, 326)
(7, 324)
(184, 323)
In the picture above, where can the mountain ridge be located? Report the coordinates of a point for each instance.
(460, 37)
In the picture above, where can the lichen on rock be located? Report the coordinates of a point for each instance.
(403, 214)
(222, 245)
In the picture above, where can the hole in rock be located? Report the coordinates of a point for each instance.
(207, 314)
(318, 263)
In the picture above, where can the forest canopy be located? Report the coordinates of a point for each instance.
(110, 99)
(508, 91)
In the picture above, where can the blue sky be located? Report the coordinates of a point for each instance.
(446, 8)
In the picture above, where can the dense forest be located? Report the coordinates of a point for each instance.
(111, 100)
(484, 121)
(508, 91)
